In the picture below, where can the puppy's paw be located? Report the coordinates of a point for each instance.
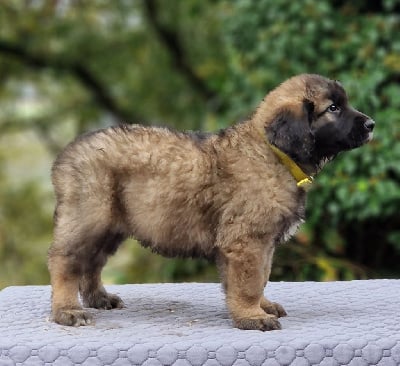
(115, 301)
(267, 322)
(273, 308)
(103, 300)
(72, 317)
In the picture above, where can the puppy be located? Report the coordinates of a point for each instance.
(230, 197)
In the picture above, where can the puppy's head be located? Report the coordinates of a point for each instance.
(309, 118)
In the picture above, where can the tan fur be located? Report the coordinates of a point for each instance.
(225, 197)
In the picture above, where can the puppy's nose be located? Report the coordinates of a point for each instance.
(369, 125)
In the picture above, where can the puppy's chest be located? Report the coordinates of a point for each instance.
(288, 230)
(289, 223)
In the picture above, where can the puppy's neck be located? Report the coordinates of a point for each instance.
(308, 167)
(303, 179)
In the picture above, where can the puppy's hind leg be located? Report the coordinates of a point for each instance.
(91, 289)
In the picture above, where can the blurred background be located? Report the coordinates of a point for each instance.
(71, 66)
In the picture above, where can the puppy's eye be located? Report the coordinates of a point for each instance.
(333, 108)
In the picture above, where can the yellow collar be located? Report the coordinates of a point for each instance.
(303, 180)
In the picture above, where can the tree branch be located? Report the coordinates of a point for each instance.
(171, 40)
(80, 71)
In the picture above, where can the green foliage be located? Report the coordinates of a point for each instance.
(24, 235)
(66, 67)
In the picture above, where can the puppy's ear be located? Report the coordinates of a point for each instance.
(309, 109)
(291, 133)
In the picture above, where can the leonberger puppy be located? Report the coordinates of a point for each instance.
(230, 197)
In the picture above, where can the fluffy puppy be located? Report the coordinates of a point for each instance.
(230, 197)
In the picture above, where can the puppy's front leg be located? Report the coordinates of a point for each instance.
(268, 306)
(242, 266)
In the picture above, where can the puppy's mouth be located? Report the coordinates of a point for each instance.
(367, 133)
(360, 142)
(369, 137)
